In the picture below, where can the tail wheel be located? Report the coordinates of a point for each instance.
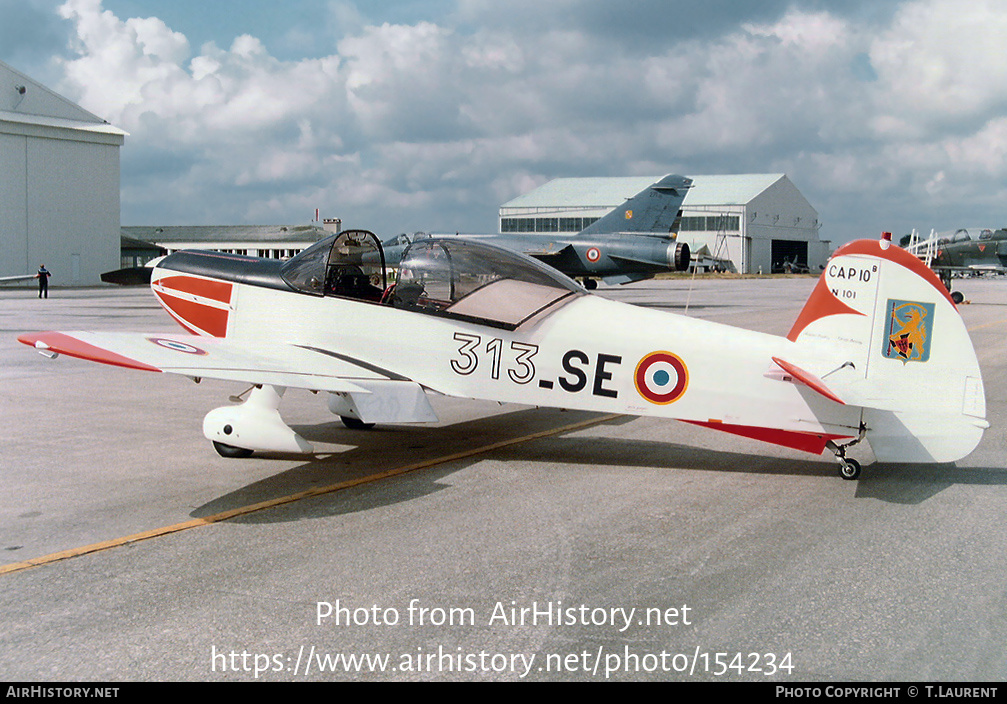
(230, 450)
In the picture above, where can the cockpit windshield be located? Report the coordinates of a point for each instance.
(349, 264)
(477, 282)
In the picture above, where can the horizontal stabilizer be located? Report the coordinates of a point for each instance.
(797, 374)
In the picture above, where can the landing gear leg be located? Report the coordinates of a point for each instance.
(849, 468)
(253, 425)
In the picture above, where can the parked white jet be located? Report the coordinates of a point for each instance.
(879, 351)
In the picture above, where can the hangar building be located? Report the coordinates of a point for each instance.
(59, 185)
(759, 222)
(140, 244)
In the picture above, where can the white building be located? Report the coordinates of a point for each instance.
(271, 242)
(757, 221)
(268, 241)
(59, 185)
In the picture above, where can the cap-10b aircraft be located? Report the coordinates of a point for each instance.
(879, 351)
(635, 241)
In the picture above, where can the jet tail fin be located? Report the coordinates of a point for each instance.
(654, 209)
(906, 356)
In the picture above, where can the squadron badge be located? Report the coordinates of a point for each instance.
(908, 325)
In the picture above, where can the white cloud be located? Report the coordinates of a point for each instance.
(430, 124)
(942, 60)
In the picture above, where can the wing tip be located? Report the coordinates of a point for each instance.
(63, 343)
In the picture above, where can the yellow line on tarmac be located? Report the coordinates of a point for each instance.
(987, 325)
(291, 498)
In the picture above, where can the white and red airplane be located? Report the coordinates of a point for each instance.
(879, 351)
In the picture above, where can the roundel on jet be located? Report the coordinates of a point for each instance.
(661, 377)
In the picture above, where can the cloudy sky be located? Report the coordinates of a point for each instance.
(404, 115)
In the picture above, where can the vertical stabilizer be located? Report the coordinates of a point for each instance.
(911, 364)
(653, 209)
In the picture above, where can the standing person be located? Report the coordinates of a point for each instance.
(43, 281)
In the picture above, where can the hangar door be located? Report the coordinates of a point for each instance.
(793, 252)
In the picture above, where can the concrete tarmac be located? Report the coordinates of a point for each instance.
(504, 543)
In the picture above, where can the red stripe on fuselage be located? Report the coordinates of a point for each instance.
(794, 439)
(212, 321)
(206, 288)
(72, 347)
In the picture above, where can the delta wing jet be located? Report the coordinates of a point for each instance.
(633, 242)
(879, 351)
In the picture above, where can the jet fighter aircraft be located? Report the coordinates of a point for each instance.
(879, 351)
(633, 242)
(964, 251)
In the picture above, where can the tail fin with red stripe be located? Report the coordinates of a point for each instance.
(908, 359)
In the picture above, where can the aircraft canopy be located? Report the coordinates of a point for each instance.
(446, 277)
(477, 282)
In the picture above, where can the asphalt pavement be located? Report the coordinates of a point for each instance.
(504, 543)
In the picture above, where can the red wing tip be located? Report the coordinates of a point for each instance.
(71, 346)
(29, 338)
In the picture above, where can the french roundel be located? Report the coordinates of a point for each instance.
(176, 346)
(661, 377)
(593, 254)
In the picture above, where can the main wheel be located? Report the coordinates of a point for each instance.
(849, 469)
(230, 450)
(355, 423)
(957, 297)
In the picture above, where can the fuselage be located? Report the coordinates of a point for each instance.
(586, 353)
(988, 250)
(614, 257)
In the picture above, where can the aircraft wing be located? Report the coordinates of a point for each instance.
(276, 364)
(16, 279)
